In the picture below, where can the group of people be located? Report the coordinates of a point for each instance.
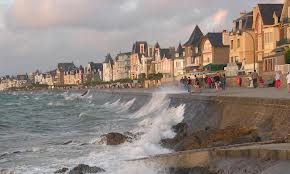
(197, 82)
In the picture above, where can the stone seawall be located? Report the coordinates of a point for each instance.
(270, 116)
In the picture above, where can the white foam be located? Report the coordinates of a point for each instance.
(120, 107)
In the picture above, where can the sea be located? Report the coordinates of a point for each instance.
(41, 132)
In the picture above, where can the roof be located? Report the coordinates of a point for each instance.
(216, 39)
(136, 49)
(66, 66)
(195, 37)
(122, 54)
(22, 77)
(267, 11)
(157, 45)
(247, 21)
(96, 66)
(166, 53)
(109, 59)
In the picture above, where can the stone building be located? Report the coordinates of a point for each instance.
(242, 40)
(122, 65)
(93, 72)
(215, 50)
(108, 69)
(62, 70)
(192, 58)
(266, 25)
(178, 64)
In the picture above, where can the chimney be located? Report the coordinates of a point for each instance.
(226, 37)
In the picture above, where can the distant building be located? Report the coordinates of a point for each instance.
(122, 66)
(266, 25)
(192, 57)
(178, 65)
(93, 72)
(108, 69)
(62, 70)
(215, 50)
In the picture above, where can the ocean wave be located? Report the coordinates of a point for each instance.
(118, 106)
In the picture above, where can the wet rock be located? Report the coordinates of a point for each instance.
(83, 169)
(63, 170)
(211, 138)
(118, 138)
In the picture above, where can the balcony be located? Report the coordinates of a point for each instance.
(283, 42)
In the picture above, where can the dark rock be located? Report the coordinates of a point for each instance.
(83, 169)
(195, 170)
(206, 138)
(63, 170)
(67, 142)
(114, 139)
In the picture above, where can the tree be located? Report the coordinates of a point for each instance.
(287, 56)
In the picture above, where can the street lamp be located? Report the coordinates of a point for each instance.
(254, 47)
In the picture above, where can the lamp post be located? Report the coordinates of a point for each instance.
(253, 39)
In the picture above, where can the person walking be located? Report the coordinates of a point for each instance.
(288, 81)
(278, 80)
(217, 81)
(189, 85)
(255, 76)
(223, 82)
(239, 81)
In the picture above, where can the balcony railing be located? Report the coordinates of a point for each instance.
(283, 42)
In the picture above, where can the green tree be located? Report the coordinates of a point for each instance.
(287, 56)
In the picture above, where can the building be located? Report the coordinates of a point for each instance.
(178, 61)
(140, 50)
(266, 25)
(276, 60)
(192, 59)
(242, 41)
(93, 72)
(122, 66)
(62, 70)
(51, 78)
(215, 50)
(108, 69)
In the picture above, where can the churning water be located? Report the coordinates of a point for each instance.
(42, 132)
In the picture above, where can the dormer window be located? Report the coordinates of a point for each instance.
(142, 51)
(275, 18)
(240, 25)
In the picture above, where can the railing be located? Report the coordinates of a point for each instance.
(283, 68)
(283, 42)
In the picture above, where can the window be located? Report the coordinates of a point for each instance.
(268, 37)
(142, 51)
(232, 44)
(238, 43)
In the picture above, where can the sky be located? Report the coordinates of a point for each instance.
(38, 34)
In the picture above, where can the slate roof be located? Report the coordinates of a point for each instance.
(195, 37)
(157, 45)
(66, 67)
(216, 39)
(96, 66)
(136, 49)
(267, 11)
(180, 50)
(123, 54)
(247, 21)
(166, 53)
(109, 59)
(22, 77)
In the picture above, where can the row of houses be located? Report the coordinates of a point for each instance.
(257, 41)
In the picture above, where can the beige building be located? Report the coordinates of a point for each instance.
(266, 25)
(121, 68)
(192, 58)
(214, 49)
(242, 40)
(178, 62)
(108, 69)
(276, 60)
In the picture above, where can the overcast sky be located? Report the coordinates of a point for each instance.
(40, 33)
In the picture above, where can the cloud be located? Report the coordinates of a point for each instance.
(41, 33)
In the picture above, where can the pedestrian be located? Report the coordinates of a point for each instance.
(239, 81)
(189, 85)
(255, 76)
(223, 82)
(288, 81)
(217, 81)
(278, 80)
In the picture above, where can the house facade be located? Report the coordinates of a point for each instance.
(242, 41)
(93, 72)
(108, 68)
(122, 66)
(215, 50)
(178, 61)
(266, 25)
(139, 58)
(64, 69)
